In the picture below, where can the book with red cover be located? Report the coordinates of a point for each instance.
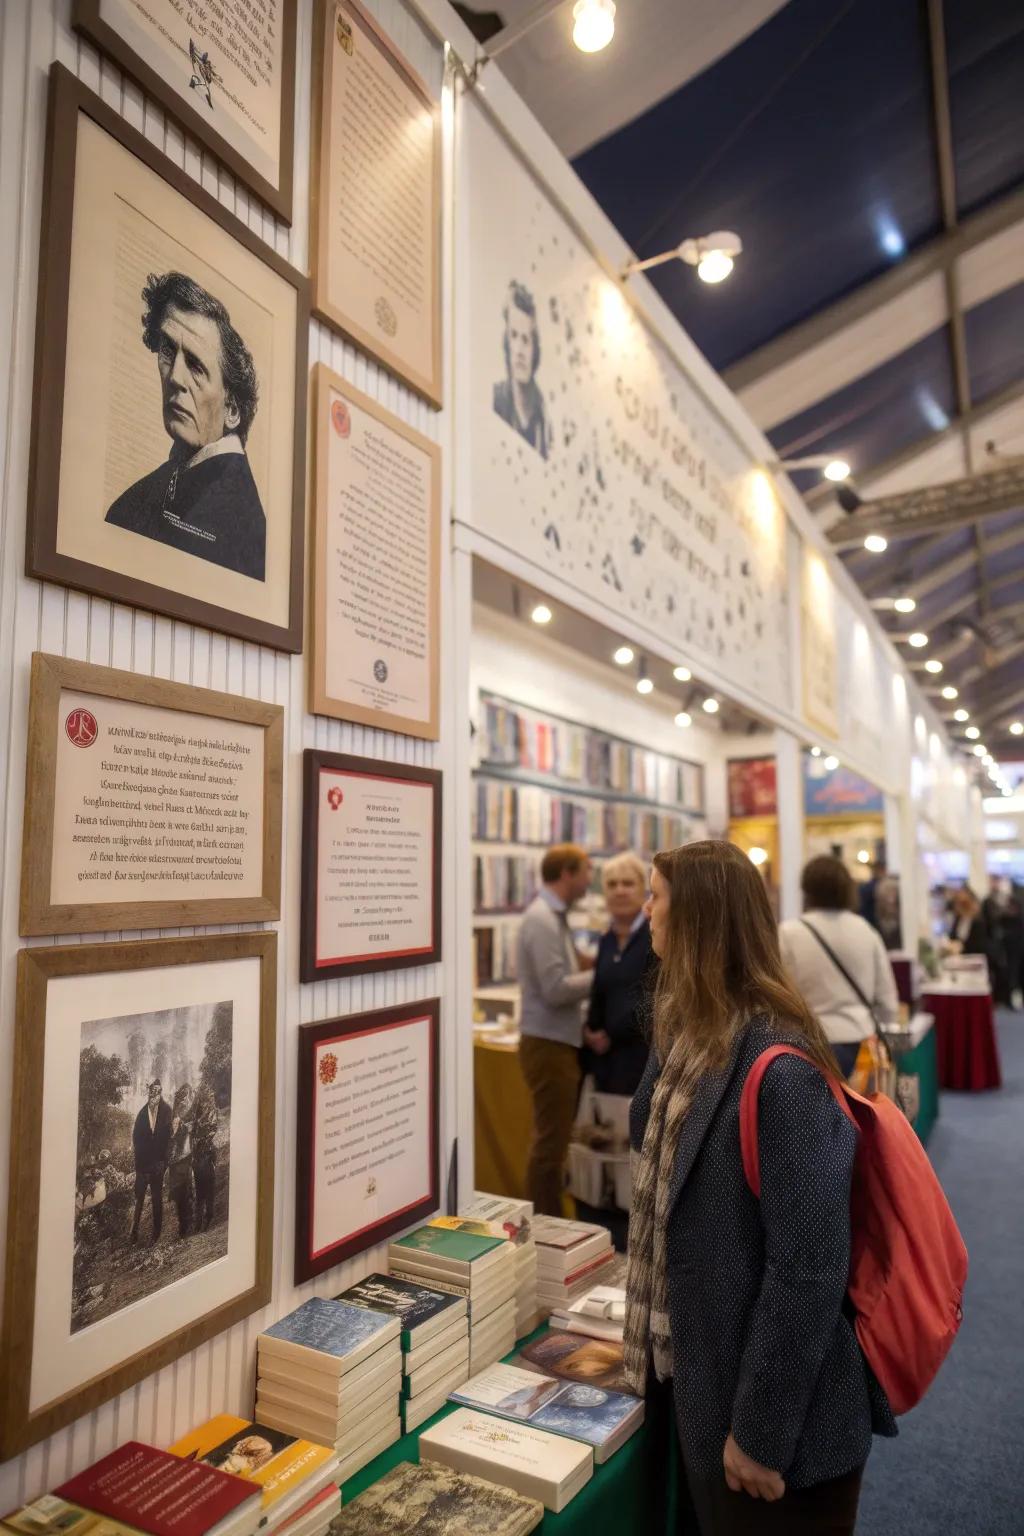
(164, 1496)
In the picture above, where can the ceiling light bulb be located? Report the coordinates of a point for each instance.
(837, 469)
(541, 614)
(961, 715)
(711, 706)
(831, 763)
(979, 750)
(593, 24)
(863, 856)
(933, 665)
(972, 733)
(1016, 729)
(683, 720)
(757, 856)
(918, 639)
(875, 544)
(949, 692)
(815, 751)
(715, 266)
(682, 674)
(623, 656)
(1007, 790)
(904, 605)
(644, 685)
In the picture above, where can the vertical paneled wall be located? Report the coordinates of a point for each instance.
(218, 1376)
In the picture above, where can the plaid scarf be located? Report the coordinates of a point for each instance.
(646, 1329)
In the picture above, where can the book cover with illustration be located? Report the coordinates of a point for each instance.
(331, 1328)
(413, 1305)
(598, 1417)
(433, 1500)
(284, 1466)
(574, 1357)
(51, 1516)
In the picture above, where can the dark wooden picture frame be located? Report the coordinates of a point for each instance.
(310, 1037)
(427, 385)
(86, 18)
(21, 1427)
(310, 969)
(39, 914)
(68, 100)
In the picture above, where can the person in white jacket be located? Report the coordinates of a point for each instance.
(838, 961)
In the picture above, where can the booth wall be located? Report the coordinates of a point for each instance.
(219, 1375)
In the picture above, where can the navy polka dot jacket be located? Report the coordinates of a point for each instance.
(762, 1343)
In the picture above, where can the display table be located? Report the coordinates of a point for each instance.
(967, 1052)
(503, 1119)
(915, 1051)
(626, 1494)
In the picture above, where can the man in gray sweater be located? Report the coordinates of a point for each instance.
(555, 984)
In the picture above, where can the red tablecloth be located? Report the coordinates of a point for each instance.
(965, 1037)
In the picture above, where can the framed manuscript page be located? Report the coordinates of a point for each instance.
(367, 1163)
(371, 866)
(376, 228)
(225, 73)
(148, 804)
(376, 565)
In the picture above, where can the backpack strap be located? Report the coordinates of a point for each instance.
(748, 1109)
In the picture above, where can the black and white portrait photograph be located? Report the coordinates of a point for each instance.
(154, 1153)
(203, 497)
(518, 399)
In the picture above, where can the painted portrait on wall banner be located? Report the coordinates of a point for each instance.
(167, 464)
(141, 1214)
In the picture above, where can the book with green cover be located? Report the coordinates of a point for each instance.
(455, 1247)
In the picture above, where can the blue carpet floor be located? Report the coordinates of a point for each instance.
(958, 1464)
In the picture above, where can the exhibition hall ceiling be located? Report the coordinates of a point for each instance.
(870, 155)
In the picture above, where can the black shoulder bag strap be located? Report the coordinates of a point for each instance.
(841, 968)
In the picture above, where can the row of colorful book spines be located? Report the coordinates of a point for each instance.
(503, 810)
(574, 752)
(643, 832)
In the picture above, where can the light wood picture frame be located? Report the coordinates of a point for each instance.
(94, 824)
(375, 647)
(86, 1313)
(374, 291)
(193, 94)
(162, 316)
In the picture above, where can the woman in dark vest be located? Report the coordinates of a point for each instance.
(736, 1307)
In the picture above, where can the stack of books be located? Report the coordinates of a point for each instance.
(333, 1373)
(432, 1500)
(434, 1338)
(148, 1490)
(298, 1480)
(571, 1259)
(472, 1264)
(602, 1419)
(530, 1461)
(600, 1313)
(514, 1218)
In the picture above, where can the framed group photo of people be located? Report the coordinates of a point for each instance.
(367, 1155)
(141, 1201)
(168, 452)
(148, 803)
(226, 73)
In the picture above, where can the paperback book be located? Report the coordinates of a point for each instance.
(162, 1495)
(421, 1312)
(431, 1500)
(573, 1357)
(287, 1468)
(533, 1462)
(455, 1254)
(600, 1418)
(328, 1335)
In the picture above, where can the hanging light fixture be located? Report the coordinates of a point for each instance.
(593, 24)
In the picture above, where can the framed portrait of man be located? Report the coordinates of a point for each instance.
(226, 73)
(167, 466)
(141, 1195)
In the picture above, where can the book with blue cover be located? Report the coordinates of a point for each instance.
(421, 1312)
(595, 1415)
(330, 1336)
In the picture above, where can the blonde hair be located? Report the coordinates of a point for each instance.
(620, 863)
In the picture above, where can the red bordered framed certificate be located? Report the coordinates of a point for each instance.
(367, 1163)
(371, 866)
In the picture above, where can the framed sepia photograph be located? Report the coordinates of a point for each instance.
(375, 234)
(148, 804)
(226, 74)
(371, 866)
(376, 576)
(367, 1155)
(141, 1184)
(168, 451)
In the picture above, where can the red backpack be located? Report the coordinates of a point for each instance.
(908, 1263)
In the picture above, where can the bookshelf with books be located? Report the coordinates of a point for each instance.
(541, 779)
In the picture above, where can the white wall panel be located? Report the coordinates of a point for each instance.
(35, 616)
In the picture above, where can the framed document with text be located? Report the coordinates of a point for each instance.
(148, 804)
(376, 227)
(226, 73)
(376, 565)
(371, 866)
(367, 1163)
(142, 1187)
(169, 425)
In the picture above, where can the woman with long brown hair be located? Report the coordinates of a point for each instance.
(736, 1306)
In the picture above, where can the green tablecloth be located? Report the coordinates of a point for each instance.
(626, 1495)
(916, 1059)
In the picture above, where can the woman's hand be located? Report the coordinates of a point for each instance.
(746, 1476)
